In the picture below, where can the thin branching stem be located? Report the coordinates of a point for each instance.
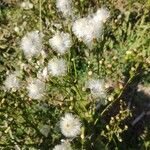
(108, 106)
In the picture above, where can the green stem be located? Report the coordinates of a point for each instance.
(69, 61)
(108, 106)
(98, 69)
(75, 70)
(78, 91)
(40, 14)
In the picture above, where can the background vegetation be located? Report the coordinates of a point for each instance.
(121, 57)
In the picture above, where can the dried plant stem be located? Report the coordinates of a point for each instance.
(138, 118)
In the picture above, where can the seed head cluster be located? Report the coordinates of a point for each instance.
(57, 67)
(63, 146)
(61, 42)
(36, 88)
(90, 28)
(96, 87)
(70, 125)
(86, 29)
(65, 7)
(12, 82)
(31, 44)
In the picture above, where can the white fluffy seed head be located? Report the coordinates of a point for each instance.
(87, 30)
(97, 88)
(36, 89)
(43, 74)
(101, 15)
(64, 6)
(61, 42)
(12, 82)
(26, 5)
(80, 27)
(31, 44)
(90, 28)
(63, 146)
(70, 125)
(57, 67)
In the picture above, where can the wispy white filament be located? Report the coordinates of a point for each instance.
(64, 6)
(70, 125)
(26, 5)
(31, 44)
(102, 14)
(36, 89)
(96, 87)
(57, 67)
(87, 30)
(12, 82)
(61, 42)
(90, 28)
(43, 74)
(63, 146)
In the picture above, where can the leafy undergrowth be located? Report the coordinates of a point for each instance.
(98, 86)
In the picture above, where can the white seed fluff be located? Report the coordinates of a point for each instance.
(43, 74)
(31, 43)
(12, 82)
(80, 27)
(36, 89)
(63, 146)
(86, 29)
(96, 87)
(102, 14)
(61, 42)
(89, 28)
(26, 5)
(57, 67)
(70, 125)
(64, 6)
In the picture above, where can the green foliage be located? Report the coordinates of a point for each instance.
(121, 58)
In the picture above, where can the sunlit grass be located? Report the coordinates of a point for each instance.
(99, 84)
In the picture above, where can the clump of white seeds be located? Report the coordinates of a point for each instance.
(63, 146)
(87, 30)
(70, 125)
(61, 42)
(43, 74)
(101, 15)
(64, 6)
(57, 67)
(96, 87)
(12, 82)
(26, 5)
(90, 28)
(36, 88)
(31, 44)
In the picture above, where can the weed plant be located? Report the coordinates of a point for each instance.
(74, 75)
